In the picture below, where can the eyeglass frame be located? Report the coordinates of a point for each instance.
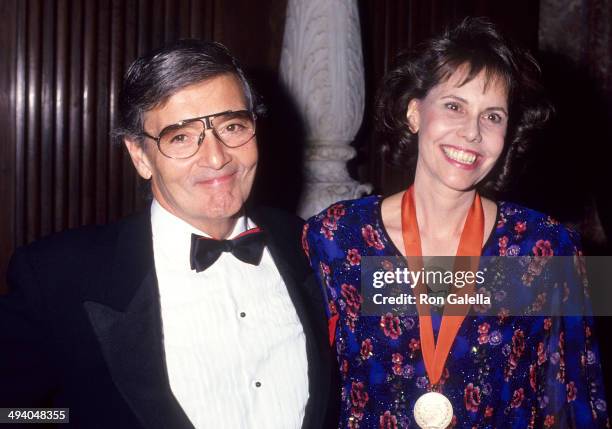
(206, 121)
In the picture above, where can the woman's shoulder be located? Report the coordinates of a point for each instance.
(347, 224)
(348, 212)
(534, 231)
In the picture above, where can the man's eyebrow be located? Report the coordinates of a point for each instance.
(463, 100)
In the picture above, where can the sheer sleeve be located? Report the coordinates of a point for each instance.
(572, 394)
(315, 245)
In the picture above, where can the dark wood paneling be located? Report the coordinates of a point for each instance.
(18, 110)
(75, 112)
(8, 130)
(120, 42)
(47, 115)
(31, 167)
(62, 108)
(257, 37)
(88, 113)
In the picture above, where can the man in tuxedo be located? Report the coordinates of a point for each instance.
(197, 312)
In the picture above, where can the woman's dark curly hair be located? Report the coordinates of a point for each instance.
(476, 44)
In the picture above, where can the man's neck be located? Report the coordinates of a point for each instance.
(218, 229)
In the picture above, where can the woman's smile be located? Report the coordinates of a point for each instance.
(461, 158)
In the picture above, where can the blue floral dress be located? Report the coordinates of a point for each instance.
(502, 372)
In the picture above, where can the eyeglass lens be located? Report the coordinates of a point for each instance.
(182, 141)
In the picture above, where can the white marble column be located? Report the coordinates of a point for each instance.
(322, 68)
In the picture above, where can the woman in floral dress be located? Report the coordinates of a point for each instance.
(457, 112)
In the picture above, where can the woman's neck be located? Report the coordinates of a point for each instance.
(441, 212)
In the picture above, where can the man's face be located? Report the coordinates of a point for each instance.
(211, 186)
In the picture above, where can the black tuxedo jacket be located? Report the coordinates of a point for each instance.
(81, 327)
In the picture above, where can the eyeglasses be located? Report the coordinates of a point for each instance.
(183, 139)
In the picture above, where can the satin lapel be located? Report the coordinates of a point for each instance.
(298, 279)
(126, 319)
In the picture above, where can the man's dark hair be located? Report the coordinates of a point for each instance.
(477, 45)
(153, 78)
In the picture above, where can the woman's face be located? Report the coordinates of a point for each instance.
(461, 130)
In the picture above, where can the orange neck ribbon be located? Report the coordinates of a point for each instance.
(470, 244)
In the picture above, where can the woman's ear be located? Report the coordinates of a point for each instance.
(413, 116)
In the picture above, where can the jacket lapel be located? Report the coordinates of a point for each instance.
(126, 319)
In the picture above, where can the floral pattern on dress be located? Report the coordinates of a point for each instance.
(502, 372)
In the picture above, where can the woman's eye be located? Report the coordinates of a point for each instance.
(494, 117)
(452, 106)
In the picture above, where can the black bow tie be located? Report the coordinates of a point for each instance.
(248, 247)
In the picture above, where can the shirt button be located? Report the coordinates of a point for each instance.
(242, 314)
(257, 384)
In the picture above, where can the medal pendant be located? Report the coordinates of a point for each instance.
(433, 410)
